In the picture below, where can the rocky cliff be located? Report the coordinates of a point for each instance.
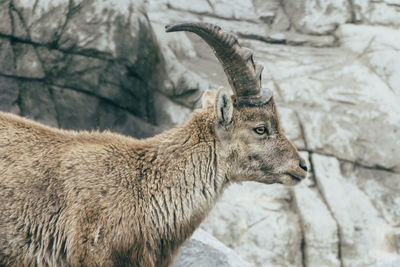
(334, 67)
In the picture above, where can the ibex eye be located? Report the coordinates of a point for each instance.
(261, 130)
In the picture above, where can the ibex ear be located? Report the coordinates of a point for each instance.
(208, 99)
(223, 107)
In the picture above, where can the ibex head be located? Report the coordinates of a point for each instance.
(253, 145)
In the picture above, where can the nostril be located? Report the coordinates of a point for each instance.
(303, 164)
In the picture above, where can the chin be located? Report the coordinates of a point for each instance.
(289, 180)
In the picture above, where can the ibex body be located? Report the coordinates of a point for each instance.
(102, 199)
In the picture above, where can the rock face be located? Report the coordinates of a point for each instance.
(65, 63)
(334, 69)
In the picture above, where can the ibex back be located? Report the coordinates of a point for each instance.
(102, 199)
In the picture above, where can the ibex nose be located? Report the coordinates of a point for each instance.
(303, 164)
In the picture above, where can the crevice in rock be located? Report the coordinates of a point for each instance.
(346, 173)
(352, 12)
(52, 97)
(10, 15)
(69, 14)
(34, 6)
(211, 15)
(320, 192)
(303, 244)
(18, 101)
(368, 64)
(282, 5)
(256, 222)
(288, 41)
(265, 39)
(19, 14)
(131, 70)
(356, 163)
(17, 77)
(302, 230)
(27, 30)
(396, 5)
(211, 5)
(43, 80)
(366, 49)
(323, 197)
(302, 131)
(311, 171)
(92, 53)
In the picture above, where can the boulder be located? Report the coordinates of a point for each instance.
(203, 250)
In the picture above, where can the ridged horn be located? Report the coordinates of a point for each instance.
(244, 75)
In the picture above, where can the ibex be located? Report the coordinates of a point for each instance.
(102, 199)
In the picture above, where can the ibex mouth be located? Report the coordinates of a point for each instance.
(296, 177)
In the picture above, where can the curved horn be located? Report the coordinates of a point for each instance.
(243, 74)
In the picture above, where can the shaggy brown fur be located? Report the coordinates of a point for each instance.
(102, 199)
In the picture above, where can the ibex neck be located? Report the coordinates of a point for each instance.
(188, 175)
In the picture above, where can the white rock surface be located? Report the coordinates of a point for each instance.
(258, 222)
(361, 227)
(319, 227)
(382, 12)
(200, 6)
(393, 262)
(317, 17)
(291, 126)
(379, 46)
(234, 9)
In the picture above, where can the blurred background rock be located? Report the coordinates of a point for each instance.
(334, 67)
